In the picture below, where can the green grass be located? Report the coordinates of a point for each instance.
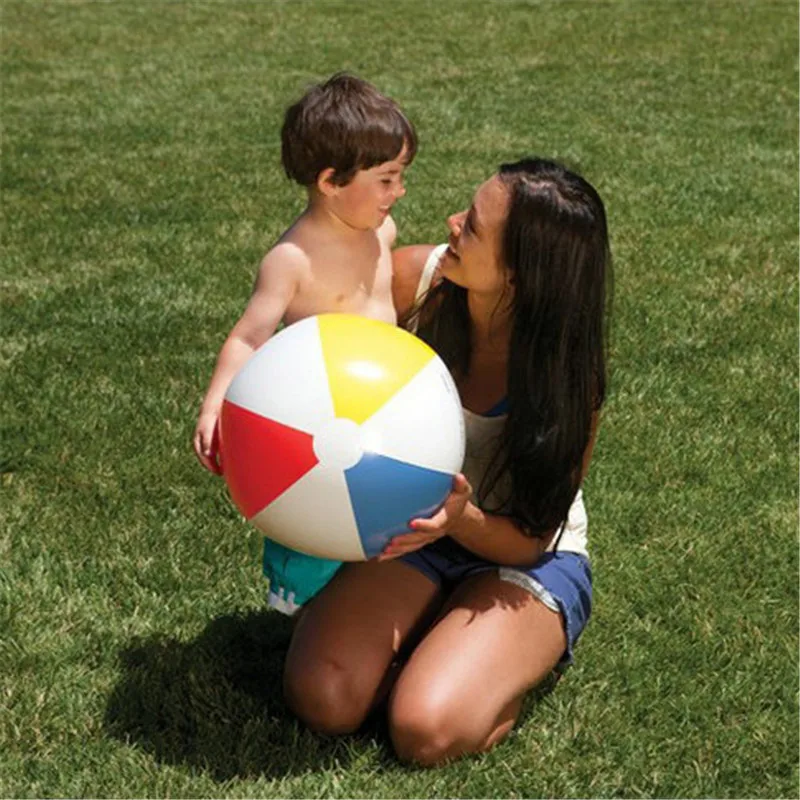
(141, 185)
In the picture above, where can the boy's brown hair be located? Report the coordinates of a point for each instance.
(344, 123)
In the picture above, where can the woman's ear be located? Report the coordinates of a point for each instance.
(325, 184)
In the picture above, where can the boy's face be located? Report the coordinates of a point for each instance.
(367, 200)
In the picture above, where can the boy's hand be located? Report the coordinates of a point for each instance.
(425, 531)
(206, 442)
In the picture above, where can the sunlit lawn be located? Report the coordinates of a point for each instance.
(140, 186)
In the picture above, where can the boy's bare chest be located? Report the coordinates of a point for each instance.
(350, 284)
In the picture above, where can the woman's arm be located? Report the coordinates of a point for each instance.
(493, 537)
(498, 538)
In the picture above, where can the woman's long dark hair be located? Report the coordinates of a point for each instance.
(555, 246)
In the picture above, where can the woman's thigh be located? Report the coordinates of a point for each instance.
(461, 689)
(349, 635)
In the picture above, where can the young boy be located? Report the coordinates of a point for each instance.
(348, 145)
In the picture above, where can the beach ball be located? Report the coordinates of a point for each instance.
(337, 432)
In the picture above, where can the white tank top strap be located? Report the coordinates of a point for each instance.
(428, 270)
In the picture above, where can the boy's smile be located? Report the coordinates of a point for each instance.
(367, 200)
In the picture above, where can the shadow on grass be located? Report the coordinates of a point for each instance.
(216, 703)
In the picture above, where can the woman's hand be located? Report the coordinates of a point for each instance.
(206, 441)
(425, 531)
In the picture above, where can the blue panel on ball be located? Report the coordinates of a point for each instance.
(387, 494)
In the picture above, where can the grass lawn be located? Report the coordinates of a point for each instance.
(141, 185)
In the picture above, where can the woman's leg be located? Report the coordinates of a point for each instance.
(344, 644)
(463, 686)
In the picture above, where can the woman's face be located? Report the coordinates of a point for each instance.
(473, 258)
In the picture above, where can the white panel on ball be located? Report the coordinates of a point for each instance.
(422, 424)
(314, 516)
(285, 379)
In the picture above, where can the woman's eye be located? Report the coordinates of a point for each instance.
(468, 227)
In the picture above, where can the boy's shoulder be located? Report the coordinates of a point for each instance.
(286, 254)
(285, 265)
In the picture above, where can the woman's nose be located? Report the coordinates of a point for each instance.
(455, 222)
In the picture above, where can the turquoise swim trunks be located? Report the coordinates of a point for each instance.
(294, 578)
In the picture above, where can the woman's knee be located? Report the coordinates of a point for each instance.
(430, 726)
(326, 696)
(427, 729)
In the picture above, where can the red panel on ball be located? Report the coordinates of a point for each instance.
(261, 458)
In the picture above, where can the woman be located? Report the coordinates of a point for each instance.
(458, 619)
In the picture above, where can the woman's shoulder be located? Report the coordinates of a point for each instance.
(408, 264)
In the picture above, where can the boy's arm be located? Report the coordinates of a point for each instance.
(275, 286)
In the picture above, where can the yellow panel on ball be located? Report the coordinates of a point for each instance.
(367, 361)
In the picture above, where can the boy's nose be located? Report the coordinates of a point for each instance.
(400, 190)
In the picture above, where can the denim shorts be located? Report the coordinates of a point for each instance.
(561, 580)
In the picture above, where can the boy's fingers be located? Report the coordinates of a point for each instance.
(209, 461)
(213, 460)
